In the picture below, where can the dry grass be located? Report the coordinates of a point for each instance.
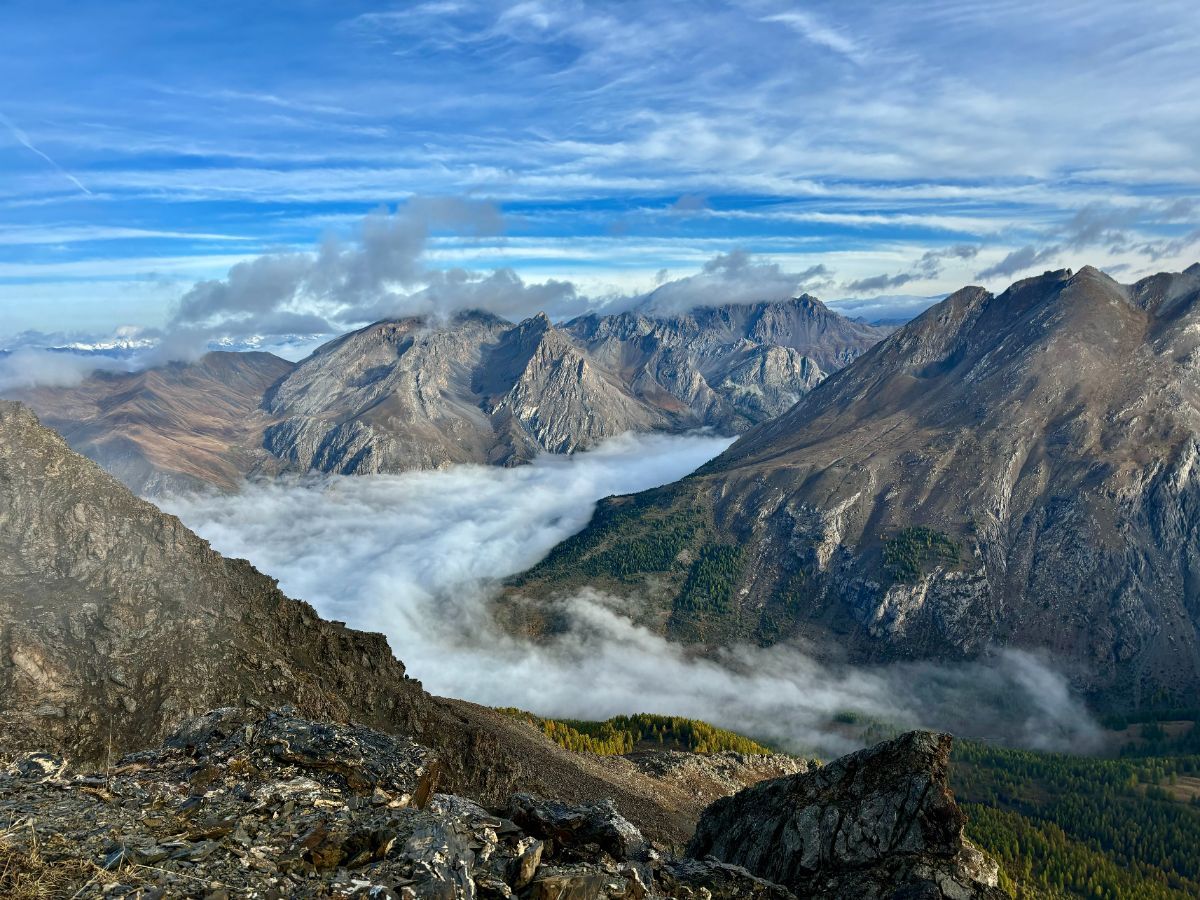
(33, 869)
(1187, 788)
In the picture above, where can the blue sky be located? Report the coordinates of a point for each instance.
(566, 154)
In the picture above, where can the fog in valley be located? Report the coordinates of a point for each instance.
(417, 556)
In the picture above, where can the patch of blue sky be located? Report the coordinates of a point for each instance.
(156, 141)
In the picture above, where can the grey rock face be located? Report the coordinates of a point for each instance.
(731, 366)
(877, 823)
(599, 825)
(241, 802)
(409, 394)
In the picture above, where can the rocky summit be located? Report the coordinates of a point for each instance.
(418, 393)
(1006, 470)
(245, 803)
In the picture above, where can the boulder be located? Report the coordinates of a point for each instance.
(878, 823)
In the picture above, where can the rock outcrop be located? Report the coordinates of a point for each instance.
(878, 823)
(421, 394)
(1020, 470)
(241, 802)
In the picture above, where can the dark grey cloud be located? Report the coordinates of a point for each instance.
(1157, 250)
(257, 286)
(928, 266)
(1019, 260)
(1119, 228)
(382, 273)
(387, 255)
(1100, 224)
(882, 282)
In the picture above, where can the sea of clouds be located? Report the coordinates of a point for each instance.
(417, 556)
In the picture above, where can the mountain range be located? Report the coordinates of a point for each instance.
(418, 394)
(1020, 469)
(121, 629)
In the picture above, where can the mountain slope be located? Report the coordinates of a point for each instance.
(117, 623)
(174, 426)
(409, 394)
(419, 394)
(414, 394)
(1019, 469)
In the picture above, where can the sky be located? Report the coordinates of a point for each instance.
(247, 170)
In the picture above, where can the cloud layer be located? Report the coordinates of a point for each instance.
(386, 273)
(416, 556)
(27, 368)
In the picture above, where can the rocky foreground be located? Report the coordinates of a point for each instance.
(117, 624)
(249, 803)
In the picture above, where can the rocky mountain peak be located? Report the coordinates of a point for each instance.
(1015, 469)
(427, 391)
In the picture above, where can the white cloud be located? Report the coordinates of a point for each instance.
(817, 32)
(27, 368)
(734, 277)
(416, 556)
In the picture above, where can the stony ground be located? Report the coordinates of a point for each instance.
(241, 803)
(267, 804)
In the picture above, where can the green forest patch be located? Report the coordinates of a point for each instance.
(628, 537)
(643, 731)
(911, 552)
(1074, 826)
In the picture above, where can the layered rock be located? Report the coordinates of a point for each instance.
(1013, 470)
(241, 802)
(878, 823)
(414, 394)
(731, 366)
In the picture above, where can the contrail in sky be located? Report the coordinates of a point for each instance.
(23, 139)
